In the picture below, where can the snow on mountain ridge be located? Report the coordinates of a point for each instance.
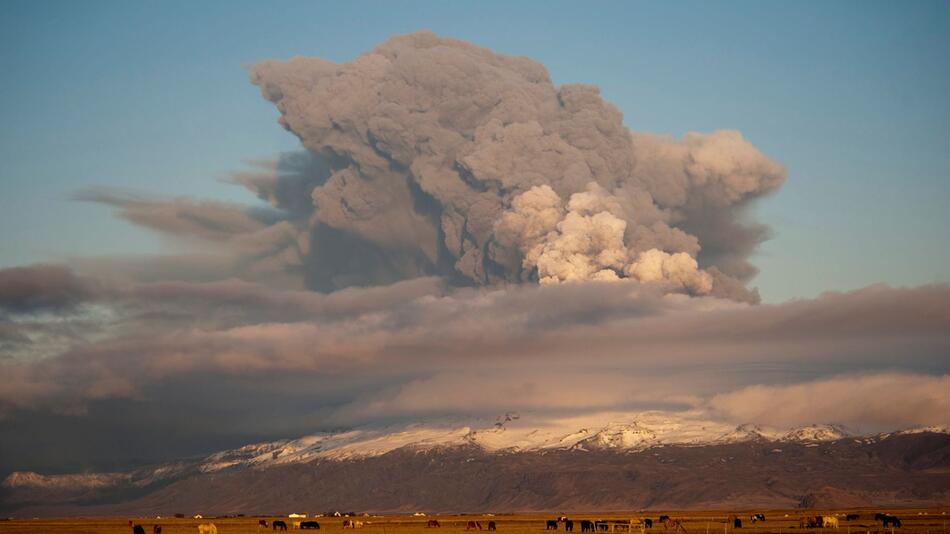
(816, 433)
(511, 432)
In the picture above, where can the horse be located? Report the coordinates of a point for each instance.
(890, 521)
(568, 525)
(310, 524)
(852, 517)
(433, 523)
(492, 526)
(587, 526)
(648, 523)
(207, 528)
(261, 523)
(137, 529)
(551, 524)
(737, 523)
(357, 524)
(473, 525)
(156, 529)
(663, 519)
(279, 524)
(602, 525)
(757, 517)
(829, 522)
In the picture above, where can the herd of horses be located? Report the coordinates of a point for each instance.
(586, 525)
(601, 525)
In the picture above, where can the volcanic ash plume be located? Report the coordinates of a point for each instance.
(446, 158)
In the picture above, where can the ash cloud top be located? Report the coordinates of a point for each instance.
(446, 158)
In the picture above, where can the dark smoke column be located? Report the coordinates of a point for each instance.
(446, 158)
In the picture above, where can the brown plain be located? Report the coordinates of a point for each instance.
(915, 521)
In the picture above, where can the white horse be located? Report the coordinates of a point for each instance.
(207, 528)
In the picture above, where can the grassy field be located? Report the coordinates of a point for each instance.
(916, 521)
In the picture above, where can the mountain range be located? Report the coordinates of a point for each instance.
(653, 461)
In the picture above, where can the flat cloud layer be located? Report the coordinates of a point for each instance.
(459, 238)
(242, 359)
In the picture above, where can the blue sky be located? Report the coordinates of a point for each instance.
(851, 96)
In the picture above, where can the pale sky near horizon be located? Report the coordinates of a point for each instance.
(852, 97)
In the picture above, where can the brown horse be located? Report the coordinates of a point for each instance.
(473, 525)
(433, 523)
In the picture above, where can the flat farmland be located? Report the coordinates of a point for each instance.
(915, 521)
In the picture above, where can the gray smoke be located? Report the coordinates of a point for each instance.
(446, 158)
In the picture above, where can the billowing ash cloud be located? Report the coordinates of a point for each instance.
(446, 158)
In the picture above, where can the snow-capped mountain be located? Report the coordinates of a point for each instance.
(513, 463)
(508, 433)
(514, 433)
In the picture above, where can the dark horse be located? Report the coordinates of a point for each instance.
(890, 521)
(492, 526)
(568, 525)
(433, 523)
(551, 524)
(138, 529)
(309, 524)
(279, 525)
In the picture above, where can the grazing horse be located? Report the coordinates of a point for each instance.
(473, 525)
(568, 525)
(492, 526)
(433, 523)
(587, 526)
(890, 521)
(207, 528)
(852, 517)
(279, 525)
(310, 524)
(261, 523)
(551, 524)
